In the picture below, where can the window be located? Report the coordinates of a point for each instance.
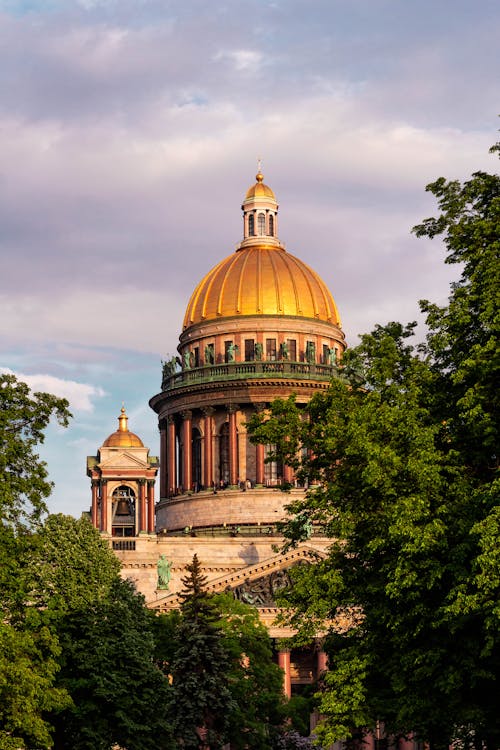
(196, 356)
(261, 223)
(249, 350)
(251, 225)
(273, 470)
(292, 349)
(271, 225)
(326, 354)
(270, 349)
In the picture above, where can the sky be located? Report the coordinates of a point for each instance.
(130, 132)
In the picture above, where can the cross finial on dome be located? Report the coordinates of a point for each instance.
(259, 176)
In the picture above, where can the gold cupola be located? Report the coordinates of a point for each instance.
(123, 438)
(260, 278)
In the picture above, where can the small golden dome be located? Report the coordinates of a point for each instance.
(259, 190)
(261, 280)
(123, 438)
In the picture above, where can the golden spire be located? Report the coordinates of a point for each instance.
(123, 421)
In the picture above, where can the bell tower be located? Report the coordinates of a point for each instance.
(123, 476)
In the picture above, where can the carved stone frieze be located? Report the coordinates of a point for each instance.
(262, 591)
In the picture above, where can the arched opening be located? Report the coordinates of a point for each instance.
(261, 224)
(271, 225)
(123, 507)
(251, 225)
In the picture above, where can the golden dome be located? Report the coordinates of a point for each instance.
(123, 438)
(261, 280)
(259, 190)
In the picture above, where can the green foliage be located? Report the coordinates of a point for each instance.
(120, 696)
(28, 665)
(72, 566)
(403, 449)
(463, 338)
(29, 650)
(255, 681)
(24, 416)
(202, 700)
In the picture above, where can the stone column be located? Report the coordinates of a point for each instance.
(233, 445)
(151, 506)
(284, 664)
(104, 506)
(94, 511)
(171, 473)
(208, 459)
(163, 459)
(259, 455)
(142, 506)
(187, 439)
(321, 663)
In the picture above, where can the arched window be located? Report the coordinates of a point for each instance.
(261, 224)
(271, 225)
(251, 225)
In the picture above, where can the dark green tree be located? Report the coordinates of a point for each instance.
(202, 701)
(404, 454)
(255, 681)
(120, 697)
(28, 668)
(29, 650)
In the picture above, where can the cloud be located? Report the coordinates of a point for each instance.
(79, 395)
(243, 59)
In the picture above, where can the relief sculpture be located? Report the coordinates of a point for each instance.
(262, 592)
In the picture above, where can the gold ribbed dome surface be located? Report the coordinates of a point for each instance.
(259, 189)
(260, 280)
(123, 438)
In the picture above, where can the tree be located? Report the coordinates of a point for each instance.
(120, 696)
(255, 681)
(404, 453)
(24, 416)
(202, 700)
(28, 665)
(72, 567)
(29, 650)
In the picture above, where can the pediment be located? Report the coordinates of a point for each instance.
(123, 460)
(254, 584)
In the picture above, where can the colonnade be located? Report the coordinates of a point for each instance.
(176, 451)
(284, 662)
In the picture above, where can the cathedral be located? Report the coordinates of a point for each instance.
(260, 325)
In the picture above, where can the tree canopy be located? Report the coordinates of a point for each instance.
(403, 454)
(24, 484)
